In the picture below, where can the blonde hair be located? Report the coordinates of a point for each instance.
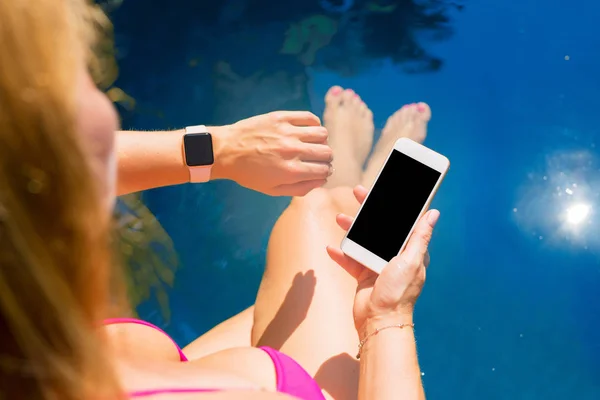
(54, 248)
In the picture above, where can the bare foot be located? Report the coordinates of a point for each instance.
(411, 122)
(350, 125)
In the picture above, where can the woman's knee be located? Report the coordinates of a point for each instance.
(310, 221)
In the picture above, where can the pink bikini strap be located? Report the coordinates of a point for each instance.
(112, 321)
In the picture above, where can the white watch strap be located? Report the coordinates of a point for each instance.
(198, 174)
(196, 129)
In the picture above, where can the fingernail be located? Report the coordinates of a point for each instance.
(432, 217)
(336, 90)
(421, 107)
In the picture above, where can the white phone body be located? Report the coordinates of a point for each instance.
(411, 178)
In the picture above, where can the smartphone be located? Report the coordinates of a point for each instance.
(401, 194)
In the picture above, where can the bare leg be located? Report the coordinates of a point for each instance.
(350, 125)
(411, 122)
(304, 304)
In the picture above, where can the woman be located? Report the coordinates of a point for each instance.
(57, 188)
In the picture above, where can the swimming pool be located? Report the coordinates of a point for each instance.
(511, 309)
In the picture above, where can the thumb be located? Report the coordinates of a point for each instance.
(416, 248)
(406, 270)
(415, 251)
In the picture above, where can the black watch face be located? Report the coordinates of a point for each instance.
(198, 149)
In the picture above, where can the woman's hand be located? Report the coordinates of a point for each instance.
(283, 153)
(388, 298)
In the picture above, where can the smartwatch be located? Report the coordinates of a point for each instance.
(198, 153)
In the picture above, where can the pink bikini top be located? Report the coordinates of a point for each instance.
(292, 379)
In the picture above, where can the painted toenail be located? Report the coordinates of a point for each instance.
(421, 107)
(349, 90)
(356, 95)
(336, 90)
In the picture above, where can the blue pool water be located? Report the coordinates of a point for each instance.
(511, 309)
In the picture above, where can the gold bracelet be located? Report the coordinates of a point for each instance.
(362, 342)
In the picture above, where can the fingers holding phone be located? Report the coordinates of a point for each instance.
(388, 298)
(400, 283)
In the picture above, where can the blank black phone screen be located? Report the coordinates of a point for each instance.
(393, 205)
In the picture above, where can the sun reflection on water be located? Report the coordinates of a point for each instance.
(577, 213)
(556, 203)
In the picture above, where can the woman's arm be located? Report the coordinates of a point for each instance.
(389, 368)
(148, 160)
(283, 153)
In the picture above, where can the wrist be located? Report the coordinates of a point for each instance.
(374, 323)
(221, 168)
(394, 326)
(176, 143)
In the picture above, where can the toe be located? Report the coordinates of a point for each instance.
(400, 117)
(408, 112)
(403, 114)
(349, 96)
(358, 102)
(424, 111)
(333, 96)
(365, 111)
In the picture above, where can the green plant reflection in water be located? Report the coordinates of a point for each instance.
(146, 252)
